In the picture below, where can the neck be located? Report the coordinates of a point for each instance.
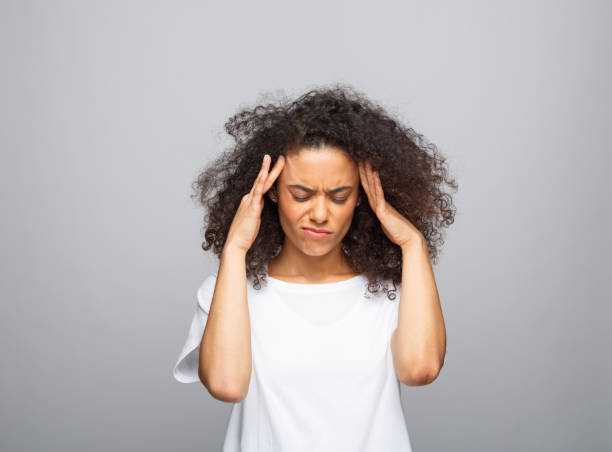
(292, 263)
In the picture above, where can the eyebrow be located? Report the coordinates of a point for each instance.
(310, 190)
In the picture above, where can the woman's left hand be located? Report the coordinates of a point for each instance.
(395, 226)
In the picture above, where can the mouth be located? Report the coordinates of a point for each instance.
(316, 233)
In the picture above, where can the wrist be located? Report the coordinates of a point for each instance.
(415, 245)
(231, 250)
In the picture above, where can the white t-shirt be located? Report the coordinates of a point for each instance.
(322, 370)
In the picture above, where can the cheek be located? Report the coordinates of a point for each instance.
(289, 216)
(289, 212)
(347, 218)
(346, 211)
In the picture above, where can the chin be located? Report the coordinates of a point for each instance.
(316, 250)
(315, 253)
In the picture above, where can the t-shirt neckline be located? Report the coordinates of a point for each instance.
(314, 287)
(336, 286)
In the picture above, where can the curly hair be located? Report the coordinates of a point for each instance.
(412, 173)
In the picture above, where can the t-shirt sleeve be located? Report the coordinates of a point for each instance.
(186, 367)
(393, 317)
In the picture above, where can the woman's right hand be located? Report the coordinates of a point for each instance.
(245, 225)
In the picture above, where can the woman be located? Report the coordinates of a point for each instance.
(346, 219)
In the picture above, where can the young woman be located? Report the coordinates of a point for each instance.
(341, 231)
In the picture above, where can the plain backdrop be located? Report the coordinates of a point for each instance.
(109, 109)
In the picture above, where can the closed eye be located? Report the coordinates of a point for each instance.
(337, 201)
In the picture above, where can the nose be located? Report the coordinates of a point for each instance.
(319, 211)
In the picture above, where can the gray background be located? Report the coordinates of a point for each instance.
(109, 110)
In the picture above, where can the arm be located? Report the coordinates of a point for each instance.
(225, 361)
(418, 344)
(225, 349)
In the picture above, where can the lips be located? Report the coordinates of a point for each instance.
(318, 230)
(311, 232)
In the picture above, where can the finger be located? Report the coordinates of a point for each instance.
(273, 175)
(259, 175)
(380, 195)
(258, 189)
(363, 178)
(369, 177)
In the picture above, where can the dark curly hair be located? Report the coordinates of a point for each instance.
(411, 171)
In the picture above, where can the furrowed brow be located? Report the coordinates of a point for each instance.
(310, 190)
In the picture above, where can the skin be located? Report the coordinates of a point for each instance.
(305, 259)
(418, 344)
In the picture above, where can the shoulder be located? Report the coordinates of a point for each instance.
(384, 290)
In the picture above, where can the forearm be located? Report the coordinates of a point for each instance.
(421, 334)
(225, 349)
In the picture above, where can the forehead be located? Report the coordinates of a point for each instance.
(319, 168)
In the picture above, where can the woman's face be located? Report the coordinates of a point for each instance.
(317, 188)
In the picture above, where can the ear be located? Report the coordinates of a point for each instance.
(272, 194)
